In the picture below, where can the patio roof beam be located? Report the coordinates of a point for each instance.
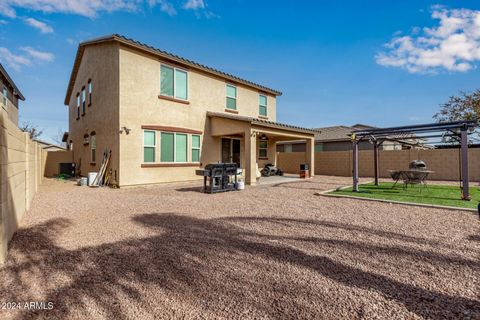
(402, 132)
(420, 128)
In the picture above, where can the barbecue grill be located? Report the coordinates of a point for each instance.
(217, 177)
(417, 165)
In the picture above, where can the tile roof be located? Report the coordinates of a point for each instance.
(336, 133)
(262, 122)
(164, 54)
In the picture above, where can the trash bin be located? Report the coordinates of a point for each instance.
(304, 172)
(91, 177)
(83, 182)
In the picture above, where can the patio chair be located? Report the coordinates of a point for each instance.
(395, 175)
(412, 177)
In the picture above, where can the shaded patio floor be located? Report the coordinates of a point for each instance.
(279, 179)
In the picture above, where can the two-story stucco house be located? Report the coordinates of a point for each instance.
(163, 116)
(9, 95)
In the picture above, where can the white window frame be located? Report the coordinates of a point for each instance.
(227, 96)
(174, 81)
(89, 88)
(149, 146)
(84, 97)
(260, 105)
(260, 148)
(195, 148)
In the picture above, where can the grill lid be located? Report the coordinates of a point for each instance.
(418, 165)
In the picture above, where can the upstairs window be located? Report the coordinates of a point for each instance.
(83, 101)
(173, 82)
(149, 146)
(231, 97)
(78, 106)
(89, 92)
(262, 105)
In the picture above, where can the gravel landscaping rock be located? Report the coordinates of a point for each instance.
(269, 252)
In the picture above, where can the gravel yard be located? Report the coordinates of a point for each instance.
(275, 251)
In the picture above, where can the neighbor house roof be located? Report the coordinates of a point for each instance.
(16, 91)
(160, 53)
(261, 122)
(48, 144)
(337, 133)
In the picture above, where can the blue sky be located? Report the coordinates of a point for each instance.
(337, 62)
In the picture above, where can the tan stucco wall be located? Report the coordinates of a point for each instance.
(99, 63)
(140, 105)
(21, 173)
(11, 110)
(339, 163)
(12, 100)
(53, 159)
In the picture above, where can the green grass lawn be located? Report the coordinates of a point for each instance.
(434, 194)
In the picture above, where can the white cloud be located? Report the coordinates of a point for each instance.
(42, 26)
(87, 8)
(3, 22)
(29, 56)
(38, 55)
(165, 6)
(194, 5)
(12, 60)
(452, 45)
(200, 9)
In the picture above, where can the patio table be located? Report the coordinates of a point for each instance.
(411, 177)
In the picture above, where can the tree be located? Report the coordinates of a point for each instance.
(465, 106)
(58, 138)
(32, 129)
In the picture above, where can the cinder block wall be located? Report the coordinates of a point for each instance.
(21, 172)
(445, 162)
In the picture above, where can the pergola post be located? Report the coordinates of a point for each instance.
(375, 161)
(355, 164)
(464, 163)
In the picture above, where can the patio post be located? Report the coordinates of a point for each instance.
(250, 157)
(375, 161)
(310, 156)
(355, 163)
(464, 163)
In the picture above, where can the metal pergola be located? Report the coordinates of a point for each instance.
(456, 132)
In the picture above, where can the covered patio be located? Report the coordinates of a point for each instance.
(455, 133)
(257, 141)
